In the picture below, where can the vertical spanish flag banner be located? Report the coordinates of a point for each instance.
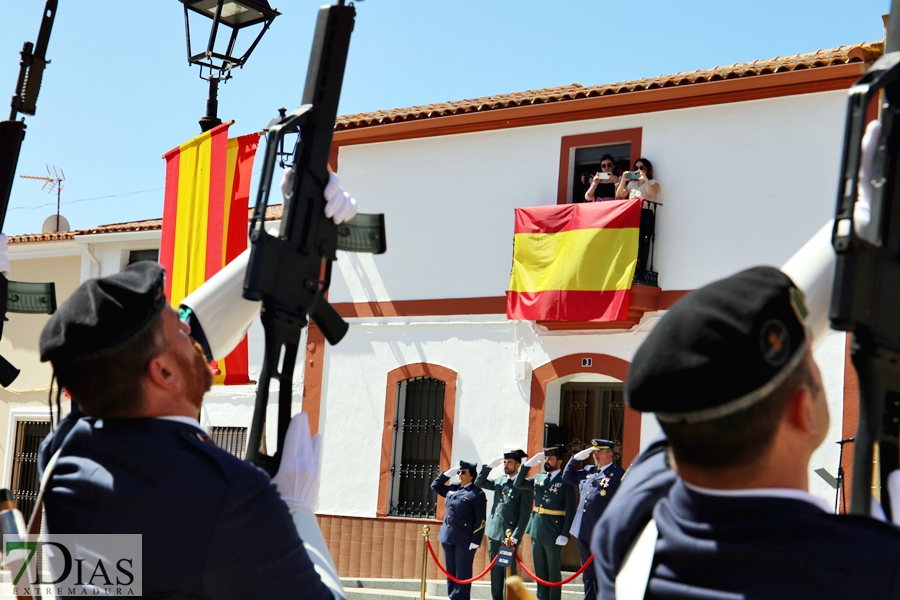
(574, 262)
(205, 219)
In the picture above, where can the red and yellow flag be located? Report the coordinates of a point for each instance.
(574, 262)
(205, 219)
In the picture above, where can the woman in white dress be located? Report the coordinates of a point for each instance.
(639, 182)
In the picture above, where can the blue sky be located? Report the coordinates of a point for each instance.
(119, 91)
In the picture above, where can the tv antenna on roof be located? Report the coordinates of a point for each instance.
(52, 183)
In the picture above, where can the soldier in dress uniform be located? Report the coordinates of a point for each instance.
(551, 517)
(596, 484)
(511, 510)
(464, 523)
(720, 505)
(138, 461)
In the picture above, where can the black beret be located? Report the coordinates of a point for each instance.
(104, 315)
(515, 455)
(601, 444)
(467, 466)
(555, 450)
(720, 349)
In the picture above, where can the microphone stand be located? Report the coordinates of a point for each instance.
(839, 491)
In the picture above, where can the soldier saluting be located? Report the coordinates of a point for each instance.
(551, 517)
(511, 510)
(464, 522)
(596, 484)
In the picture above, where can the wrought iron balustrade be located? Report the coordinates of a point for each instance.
(645, 274)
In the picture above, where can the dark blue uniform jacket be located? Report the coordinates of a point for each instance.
(213, 526)
(597, 489)
(464, 514)
(754, 547)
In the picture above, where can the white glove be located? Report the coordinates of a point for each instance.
(496, 462)
(339, 205)
(535, 460)
(308, 529)
(862, 210)
(562, 540)
(473, 546)
(452, 472)
(584, 454)
(514, 541)
(298, 476)
(4, 261)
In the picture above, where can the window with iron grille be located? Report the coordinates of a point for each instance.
(418, 422)
(24, 482)
(230, 439)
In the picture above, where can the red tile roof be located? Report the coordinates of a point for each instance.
(273, 213)
(867, 53)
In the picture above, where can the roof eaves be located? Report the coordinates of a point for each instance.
(865, 53)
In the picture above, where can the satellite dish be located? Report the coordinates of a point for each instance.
(50, 224)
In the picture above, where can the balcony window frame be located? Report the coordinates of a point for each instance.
(570, 143)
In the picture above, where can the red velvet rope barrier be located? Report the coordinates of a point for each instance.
(554, 583)
(451, 577)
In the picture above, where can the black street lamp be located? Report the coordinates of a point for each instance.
(238, 15)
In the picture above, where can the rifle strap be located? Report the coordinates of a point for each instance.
(34, 525)
(631, 582)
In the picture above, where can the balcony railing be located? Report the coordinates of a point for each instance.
(645, 274)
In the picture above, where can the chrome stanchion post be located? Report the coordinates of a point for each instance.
(425, 531)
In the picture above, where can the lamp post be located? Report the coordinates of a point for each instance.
(216, 66)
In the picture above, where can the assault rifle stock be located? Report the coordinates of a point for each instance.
(290, 272)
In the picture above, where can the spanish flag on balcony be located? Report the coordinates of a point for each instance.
(574, 262)
(205, 220)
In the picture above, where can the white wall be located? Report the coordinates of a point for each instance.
(743, 184)
(488, 399)
(491, 406)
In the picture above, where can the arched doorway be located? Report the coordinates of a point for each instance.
(549, 380)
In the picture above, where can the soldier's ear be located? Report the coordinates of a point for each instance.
(161, 372)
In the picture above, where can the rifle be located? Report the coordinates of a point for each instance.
(867, 275)
(290, 272)
(16, 296)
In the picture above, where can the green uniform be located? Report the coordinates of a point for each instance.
(561, 498)
(511, 510)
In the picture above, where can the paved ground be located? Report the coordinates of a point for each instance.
(435, 589)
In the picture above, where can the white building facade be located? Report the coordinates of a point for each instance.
(432, 371)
